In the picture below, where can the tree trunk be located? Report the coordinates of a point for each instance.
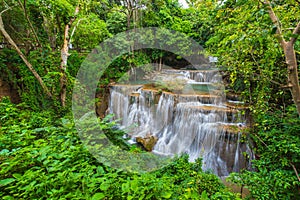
(160, 63)
(290, 56)
(293, 79)
(64, 60)
(28, 64)
(63, 67)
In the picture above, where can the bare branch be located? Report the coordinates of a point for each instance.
(261, 141)
(297, 29)
(5, 3)
(73, 31)
(3, 11)
(296, 172)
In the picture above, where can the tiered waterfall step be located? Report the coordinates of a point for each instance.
(206, 102)
(186, 111)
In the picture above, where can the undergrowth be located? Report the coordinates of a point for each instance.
(42, 157)
(277, 160)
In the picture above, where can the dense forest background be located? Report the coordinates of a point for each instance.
(43, 44)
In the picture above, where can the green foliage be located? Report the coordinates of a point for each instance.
(74, 62)
(116, 21)
(95, 22)
(64, 7)
(275, 177)
(15, 72)
(41, 155)
(113, 133)
(135, 61)
(245, 44)
(90, 32)
(43, 158)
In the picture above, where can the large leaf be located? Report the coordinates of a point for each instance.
(6, 181)
(98, 196)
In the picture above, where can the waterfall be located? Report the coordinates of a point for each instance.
(198, 120)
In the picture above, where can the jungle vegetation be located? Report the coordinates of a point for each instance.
(44, 42)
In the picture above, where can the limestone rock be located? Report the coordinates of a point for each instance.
(147, 142)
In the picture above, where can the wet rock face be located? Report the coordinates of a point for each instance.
(102, 104)
(148, 142)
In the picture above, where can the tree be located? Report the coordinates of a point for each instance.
(28, 64)
(289, 52)
(64, 58)
(244, 39)
(58, 28)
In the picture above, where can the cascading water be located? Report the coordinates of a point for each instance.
(197, 120)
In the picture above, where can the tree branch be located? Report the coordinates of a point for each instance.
(73, 31)
(3, 11)
(296, 172)
(275, 21)
(296, 33)
(28, 64)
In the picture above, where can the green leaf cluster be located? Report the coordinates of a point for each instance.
(277, 158)
(43, 158)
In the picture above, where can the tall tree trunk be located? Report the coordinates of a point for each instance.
(293, 80)
(64, 60)
(28, 64)
(290, 55)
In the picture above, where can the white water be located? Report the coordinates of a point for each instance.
(191, 122)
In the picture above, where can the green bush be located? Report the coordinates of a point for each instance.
(277, 138)
(42, 157)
